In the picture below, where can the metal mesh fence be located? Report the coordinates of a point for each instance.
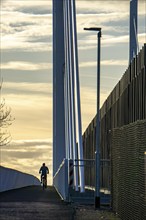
(125, 105)
(128, 171)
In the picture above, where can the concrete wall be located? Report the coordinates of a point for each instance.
(13, 179)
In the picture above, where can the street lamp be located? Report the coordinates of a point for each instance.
(97, 153)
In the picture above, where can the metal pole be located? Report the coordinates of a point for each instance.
(97, 155)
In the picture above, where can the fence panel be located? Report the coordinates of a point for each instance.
(128, 174)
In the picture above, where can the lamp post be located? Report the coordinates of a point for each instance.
(97, 153)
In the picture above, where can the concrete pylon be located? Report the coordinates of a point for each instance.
(58, 85)
(133, 30)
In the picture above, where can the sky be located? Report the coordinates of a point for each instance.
(26, 69)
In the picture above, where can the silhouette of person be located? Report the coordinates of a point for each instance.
(44, 171)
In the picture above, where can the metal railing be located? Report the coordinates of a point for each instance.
(60, 180)
(63, 180)
(105, 174)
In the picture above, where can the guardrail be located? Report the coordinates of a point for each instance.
(60, 180)
(63, 180)
(105, 174)
(88, 197)
(14, 179)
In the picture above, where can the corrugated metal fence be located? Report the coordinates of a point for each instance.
(125, 104)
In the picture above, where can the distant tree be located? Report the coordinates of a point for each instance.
(5, 121)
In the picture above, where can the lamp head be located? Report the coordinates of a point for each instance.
(92, 29)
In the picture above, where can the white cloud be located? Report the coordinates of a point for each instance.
(13, 5)
(101, 6)
(142, 38)
(31, 105)
(28, 32)
(28, 88)
(114, 62)
(92, 20)
(28, 156)
(21, 65)
(30, 38)
(104, 63)
(107, 6)
(90, 41)
(33, 144)
(15, 45)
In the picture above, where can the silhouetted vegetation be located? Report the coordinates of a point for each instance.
(5, 121)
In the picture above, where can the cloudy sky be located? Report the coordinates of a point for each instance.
(26, 69)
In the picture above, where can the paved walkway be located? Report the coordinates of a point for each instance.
(32, 203)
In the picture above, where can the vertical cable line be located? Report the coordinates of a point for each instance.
(69, 91)
(69, 85)
(68, 107)
(78, 108)
(65, 94)
(69, 77)
(72, 94)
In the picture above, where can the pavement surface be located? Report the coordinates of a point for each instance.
(34, 203)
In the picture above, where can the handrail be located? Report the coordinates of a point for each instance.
(61, 165)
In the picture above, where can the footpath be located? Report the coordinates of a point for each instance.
(34, 203)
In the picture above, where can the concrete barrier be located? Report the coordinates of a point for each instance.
(13, 179)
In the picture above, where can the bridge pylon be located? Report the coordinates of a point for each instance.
(67, 129)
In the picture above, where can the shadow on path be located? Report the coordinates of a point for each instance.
(34, 203)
